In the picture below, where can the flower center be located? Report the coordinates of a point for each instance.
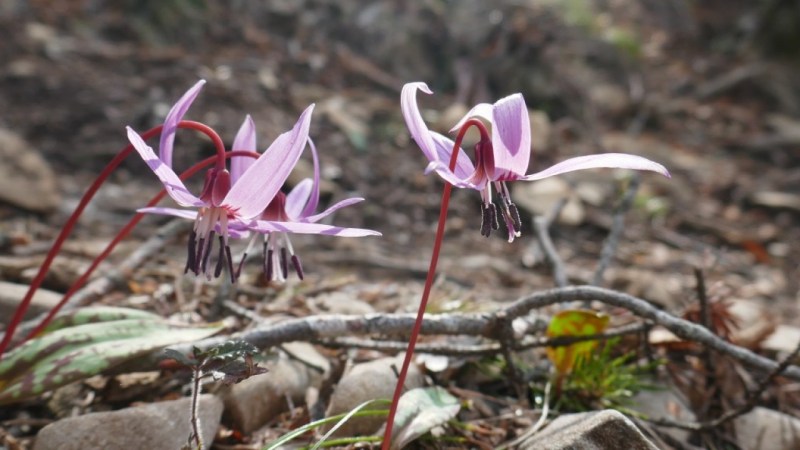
(211, 220)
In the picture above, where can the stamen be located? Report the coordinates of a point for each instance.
(220, 258)
(486, 227)
(229, 258)
(493, 216)
(298, 268)
(512, 208)
(207, 252)
(284, 263)
(199, 256)
(190, 256)
(268, 264)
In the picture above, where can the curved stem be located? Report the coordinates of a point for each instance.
(119, 237)
(437, 245)
(22, 308)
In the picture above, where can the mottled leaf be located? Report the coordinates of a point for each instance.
(181, 358)
(574, 322)
(81, 351)
(94, 314)
(421, 410)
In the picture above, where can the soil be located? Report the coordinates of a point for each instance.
(712, 98)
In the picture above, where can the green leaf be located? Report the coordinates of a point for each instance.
(94, 314)
(74, 353)
(574, 322)
(421, 410)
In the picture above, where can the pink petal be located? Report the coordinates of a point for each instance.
(264, 226)
(313, 199)
(604, 160)
(182, 213)
(332, 209)
(481, 110)
(414, 122)
(297, 198)
(245, 140)
(511, 138)
(444, 149)
(258, 185)
(172, 183)
(174, 116)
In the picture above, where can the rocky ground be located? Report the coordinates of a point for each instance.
(708, 92)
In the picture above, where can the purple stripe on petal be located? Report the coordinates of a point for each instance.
(604, 160)
(245, 140)
(174, 116)
(264, 226)
(182, 213)
(511, 138)
(172, 183)
(255, 189)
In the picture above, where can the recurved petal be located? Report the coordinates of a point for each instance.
(416, 125)
(259, 184)
(444, 149)
(172, 183)
(264, 226)
(511, 138)
(603, 160)
(332, 209)
(174, 117)
(245, 140)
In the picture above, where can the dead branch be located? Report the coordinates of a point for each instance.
(321, 328)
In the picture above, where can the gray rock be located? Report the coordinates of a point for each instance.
(156, 426)
(664, 403)
(26, 179)
(11, 294)
(368, 381)
(598, 430)
(257, 400)
(767, 429)
(542, 196)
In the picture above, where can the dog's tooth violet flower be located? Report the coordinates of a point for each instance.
(297, 208)
(226, 204)
(502, 158)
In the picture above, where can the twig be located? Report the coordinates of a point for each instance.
(450, 349)
(320, 328)
(714, 406)
(195, 418)
(539, 423)
(541, 225)
(612, 241)
(752, 399)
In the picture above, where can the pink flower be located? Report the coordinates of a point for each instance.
(503, 158)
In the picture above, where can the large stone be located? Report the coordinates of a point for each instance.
(11, 294)
(369, 381)
(156, 426)
(257, 400)
(664, 404)
(26, 179)
(598, 430)
(766, 429)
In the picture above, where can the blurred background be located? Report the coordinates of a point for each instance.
(707, 88)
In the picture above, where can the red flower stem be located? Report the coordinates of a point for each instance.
(22, 308)
(423, 304)
(120, 236)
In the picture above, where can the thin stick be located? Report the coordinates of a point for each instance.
(195, 418)
(540, 225)
(612, 241)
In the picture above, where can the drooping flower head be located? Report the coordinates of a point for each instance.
(501, 158)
